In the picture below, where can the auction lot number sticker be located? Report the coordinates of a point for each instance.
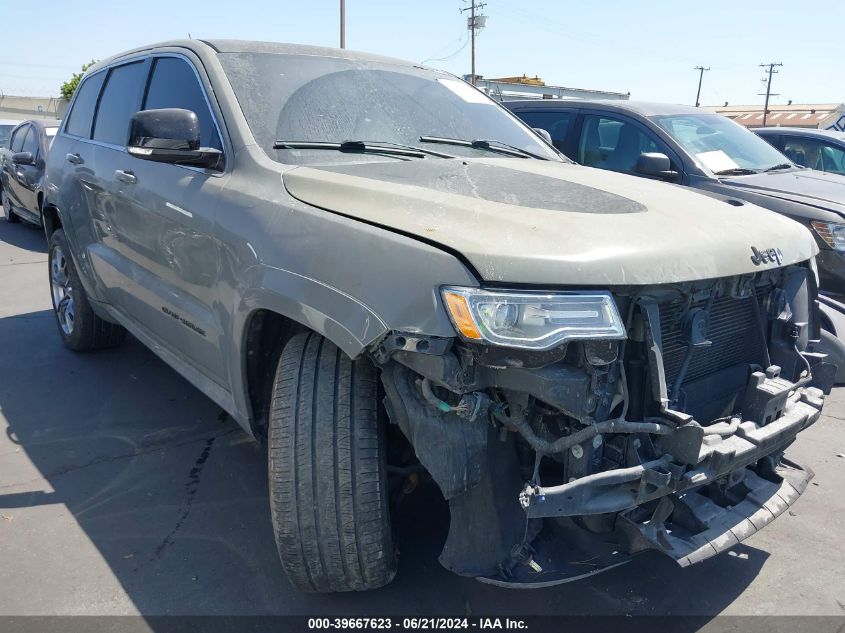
(417, 624)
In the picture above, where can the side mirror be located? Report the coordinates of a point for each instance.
(169, 135)
(23, 158)
(543, 134)
(655, 165)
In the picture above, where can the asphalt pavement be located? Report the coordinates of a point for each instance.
(124, 490)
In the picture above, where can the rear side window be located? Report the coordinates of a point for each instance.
(119, 102)
(17, 138)
(555, 123)
(174, 84)
(81, 116)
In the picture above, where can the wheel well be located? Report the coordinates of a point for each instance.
(266, 336)
(50, 218)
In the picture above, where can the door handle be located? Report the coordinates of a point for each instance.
(125, 176)
(75, 159)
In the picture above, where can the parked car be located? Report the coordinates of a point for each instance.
(6, 127)
(22, 170)
(823, 150)
(380, 272)
(699, 149)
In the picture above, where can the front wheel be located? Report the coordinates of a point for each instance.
(80, 328)
(11, 216)
(327, 468)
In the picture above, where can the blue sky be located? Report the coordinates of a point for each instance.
(649, 49)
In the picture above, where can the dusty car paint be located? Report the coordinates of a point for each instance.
(193, 262)
(582, 237)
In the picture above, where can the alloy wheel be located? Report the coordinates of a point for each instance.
(62, 289)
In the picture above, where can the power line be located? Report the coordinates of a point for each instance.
(463, 38)
(701, 70)
(475, 23)
(771, 70)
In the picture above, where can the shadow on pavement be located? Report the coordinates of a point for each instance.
(173, 495)
(23, 235)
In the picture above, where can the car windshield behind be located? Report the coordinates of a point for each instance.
(309, 98)
(720, 144)
(5, 133)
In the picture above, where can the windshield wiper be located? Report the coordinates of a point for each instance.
(491, 145)
(362, 147)
(737, 171)
(780, 166)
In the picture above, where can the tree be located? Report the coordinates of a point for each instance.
(69, 87)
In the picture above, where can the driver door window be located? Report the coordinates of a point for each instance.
(30, 143)
(614, 144)
(16, 144)
(174, 84)
(815, 155)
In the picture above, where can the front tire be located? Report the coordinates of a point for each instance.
(80, 328)
(327, 468)
(11, 216)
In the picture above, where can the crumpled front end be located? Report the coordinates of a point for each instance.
(563, 461)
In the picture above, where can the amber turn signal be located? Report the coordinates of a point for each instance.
(461, 315)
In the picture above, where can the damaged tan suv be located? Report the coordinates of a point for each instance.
(382, 273)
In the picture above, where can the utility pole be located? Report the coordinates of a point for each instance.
(343, 23)
(771, 71)
(474, 23)
(701, 70)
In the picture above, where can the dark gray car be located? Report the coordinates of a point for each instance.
(693, 147)
(822, 150)
(383, 274)
(22, 166)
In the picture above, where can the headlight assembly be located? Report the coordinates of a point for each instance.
(832, 234)
(529, 320)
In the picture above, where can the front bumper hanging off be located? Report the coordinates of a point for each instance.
(669, 504)
(564, 551)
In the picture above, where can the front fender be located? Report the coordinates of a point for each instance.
(341, 318)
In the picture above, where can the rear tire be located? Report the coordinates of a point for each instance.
(327, 469)
(11, 216)
(80, 328)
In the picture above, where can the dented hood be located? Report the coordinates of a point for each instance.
(538, 222)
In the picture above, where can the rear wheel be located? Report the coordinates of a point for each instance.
(80, 328)
(11, 216)
(328, 484)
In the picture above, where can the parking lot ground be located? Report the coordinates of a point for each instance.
(123, 490)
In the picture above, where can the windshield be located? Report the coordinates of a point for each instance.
(308, 98)
(5, 133)
(720, 144)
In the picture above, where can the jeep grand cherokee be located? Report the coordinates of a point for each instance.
(383, 274)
